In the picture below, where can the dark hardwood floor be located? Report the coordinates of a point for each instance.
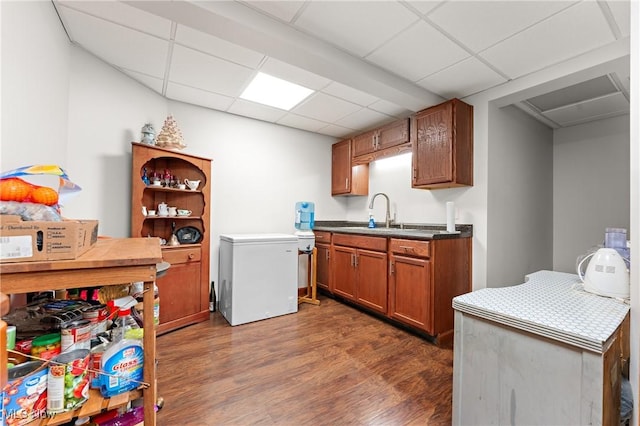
(325, 365)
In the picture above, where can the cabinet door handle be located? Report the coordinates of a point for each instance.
(353, 260)
(355, 256)
(191, 256)
(373, 141)
(391, 268)
(327, 254)
(415, 174)
(346, 183)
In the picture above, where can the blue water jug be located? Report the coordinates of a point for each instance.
(304, 215)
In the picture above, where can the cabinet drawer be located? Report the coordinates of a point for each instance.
(182, 255)
(323, 237)
(360, 241)
(409, 247)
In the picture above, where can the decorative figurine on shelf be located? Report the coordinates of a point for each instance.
(148, 134)
(166, 177)
(170, 136)
(145, 177)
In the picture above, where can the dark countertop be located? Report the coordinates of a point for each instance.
(414, 231)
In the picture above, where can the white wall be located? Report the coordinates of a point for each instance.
(591, 186)
(520, 203)
(35, 85)
(106, 112)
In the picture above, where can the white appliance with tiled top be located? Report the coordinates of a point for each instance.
(258, 276)
(542, 352)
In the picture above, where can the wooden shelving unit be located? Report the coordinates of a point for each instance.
(114, 261)
(184, 289)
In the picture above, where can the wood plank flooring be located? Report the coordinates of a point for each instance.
(324, 365)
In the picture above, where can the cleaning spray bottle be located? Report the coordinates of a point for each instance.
(372, 223)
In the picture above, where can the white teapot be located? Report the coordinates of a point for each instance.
(192, 184)
(163, 209)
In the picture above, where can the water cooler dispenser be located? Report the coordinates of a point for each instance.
(304, 226)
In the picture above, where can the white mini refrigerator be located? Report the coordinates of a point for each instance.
(258, 276)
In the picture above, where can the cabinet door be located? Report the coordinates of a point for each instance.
(432, 152)
(323, 266)
(346, 178)
(344, 271)
(365, 143)
(179, 292)
(410, 292)
(371, 290)
(341, 167)
(393, 134)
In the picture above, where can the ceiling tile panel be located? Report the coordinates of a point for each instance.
(300, 122)
(480, 24)
(363, 119)
(417, 52)
(195, 69)
(389, 108)
(325, 108)
(604, 106)
(118, 45)
(336, 131)
(424, 7)
(123, 14)
(349, 94)
(356, 26)
(285, 10)
(152, 83)
(293, 74)
(254, 110)
(179, 92)
(217, 47)
(622, 14)
(576, 30)
(454, 82)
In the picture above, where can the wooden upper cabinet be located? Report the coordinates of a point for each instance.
(388, 140)
(346, 178)
(364, 143)
(393, 134)
(443, 146)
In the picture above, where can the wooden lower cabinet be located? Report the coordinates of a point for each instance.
(410, 291)
(344, 272)
(322, 268)
(412, 282)
(371, 281)
(359, 266)
(182, 299)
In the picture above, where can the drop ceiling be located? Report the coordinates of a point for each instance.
(369, 62)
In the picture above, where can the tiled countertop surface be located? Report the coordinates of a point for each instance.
(416, 231)
(550, 304)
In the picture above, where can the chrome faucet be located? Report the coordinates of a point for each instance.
(387, 220)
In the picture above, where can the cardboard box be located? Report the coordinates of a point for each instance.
(28, 241)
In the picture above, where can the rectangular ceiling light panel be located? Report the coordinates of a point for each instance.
(268, 90)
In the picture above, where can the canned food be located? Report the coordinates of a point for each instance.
(25, 396)
(97, 315)
(77, 332)
(68, 381)
(46, 346)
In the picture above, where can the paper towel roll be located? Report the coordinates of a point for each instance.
(451, 217)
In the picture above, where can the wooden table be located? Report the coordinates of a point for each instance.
(114, 261)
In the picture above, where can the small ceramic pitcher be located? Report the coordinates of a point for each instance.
(192, 184)
(163, 209)
(173, 211)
